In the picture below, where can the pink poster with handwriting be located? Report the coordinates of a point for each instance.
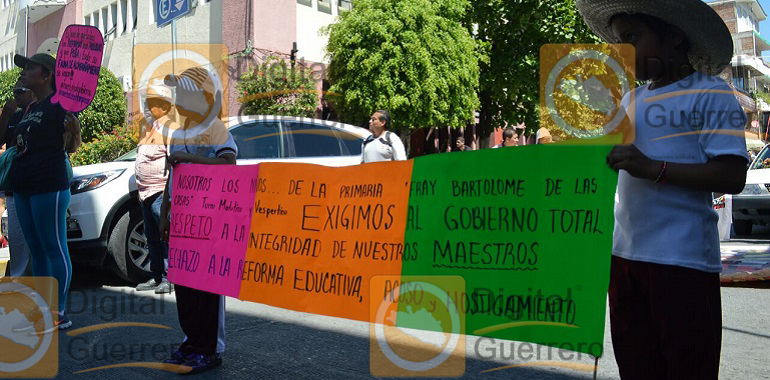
(78, 61)
(211, 207)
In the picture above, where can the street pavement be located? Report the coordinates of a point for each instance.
(264, 342)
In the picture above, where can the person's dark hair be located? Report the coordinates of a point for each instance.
(508, 133)
(53, 77)
(384, 118)
(661, 28)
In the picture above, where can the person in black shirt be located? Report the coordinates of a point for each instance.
(12, 113)
(39, 176)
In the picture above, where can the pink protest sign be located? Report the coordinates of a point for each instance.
(78, 62)
(211, 207)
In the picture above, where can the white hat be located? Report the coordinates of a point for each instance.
(711, 46)
(160, 90)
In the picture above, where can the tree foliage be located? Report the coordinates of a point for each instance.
(273, 88)
(106, 111)
(107, 147)
(511, 33)
(411, 57)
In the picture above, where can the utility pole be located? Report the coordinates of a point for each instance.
(293, 58)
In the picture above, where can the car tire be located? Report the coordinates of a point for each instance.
(121, 239)
(742, 226)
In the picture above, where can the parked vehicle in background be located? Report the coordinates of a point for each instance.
(105, 226)
(752, 205)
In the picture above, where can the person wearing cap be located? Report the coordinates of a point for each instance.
(664, 291)
(202, 139)
(151, 176)
(39, 176)
(12, 113)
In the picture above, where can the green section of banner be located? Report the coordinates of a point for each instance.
(530, 231)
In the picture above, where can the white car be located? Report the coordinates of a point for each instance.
(104, 223)
(752, 205)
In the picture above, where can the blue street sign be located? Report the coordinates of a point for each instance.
(167, 10)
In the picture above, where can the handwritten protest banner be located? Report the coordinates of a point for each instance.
(211, 207)
(529, 229)
(319, 234)
(78, 61)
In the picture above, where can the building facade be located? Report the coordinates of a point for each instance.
(748, 72)
(250, 29)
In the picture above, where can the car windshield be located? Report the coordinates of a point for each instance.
(130, 156)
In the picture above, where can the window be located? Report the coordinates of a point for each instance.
(258, 140)
(325, 6)
(308, 3)
(345, 5)
(316, 140)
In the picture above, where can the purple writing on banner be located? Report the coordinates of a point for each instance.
(211, 210)
(78, 62)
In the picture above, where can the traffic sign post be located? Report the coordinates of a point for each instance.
(169, 10)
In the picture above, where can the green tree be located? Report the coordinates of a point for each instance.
(511, 34)
(411, 57)
(7, 80)
(273, 88)
(106, 111)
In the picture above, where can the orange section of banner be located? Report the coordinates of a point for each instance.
(319, 234)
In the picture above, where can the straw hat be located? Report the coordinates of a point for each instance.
(711, 46)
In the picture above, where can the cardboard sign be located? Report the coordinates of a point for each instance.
(211, 207)
(319, 234)
(529, 229)
(78, 62)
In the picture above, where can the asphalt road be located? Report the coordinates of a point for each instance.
(264, 342)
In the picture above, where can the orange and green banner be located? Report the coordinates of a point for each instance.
(527, 230)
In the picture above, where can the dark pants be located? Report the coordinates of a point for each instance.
(202, 318)
(666, 321)
(158, 249)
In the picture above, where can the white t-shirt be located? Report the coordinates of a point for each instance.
(666, 223)
(378, 149)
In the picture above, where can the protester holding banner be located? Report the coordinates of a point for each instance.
(664, 294)
(510, 138)
(151, 177)
(13, 111)
(382, 144)
(203, 139)
(39, 176)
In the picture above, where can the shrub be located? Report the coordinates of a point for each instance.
(107, 110)
(105, 148)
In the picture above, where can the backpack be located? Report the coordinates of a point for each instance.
(386, 140)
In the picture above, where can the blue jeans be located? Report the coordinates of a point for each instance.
(158, 249)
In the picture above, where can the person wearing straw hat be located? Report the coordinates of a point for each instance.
(151, 176)
(202, 139)
(664, 293)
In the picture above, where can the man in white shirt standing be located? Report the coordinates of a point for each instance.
(382, 145)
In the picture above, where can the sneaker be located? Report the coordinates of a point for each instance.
(145, 286)
(62, 323)
(178, 358)
(164, 287)
(200, 363)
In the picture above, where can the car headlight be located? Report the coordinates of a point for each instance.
(93, 181)
(752, 189)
